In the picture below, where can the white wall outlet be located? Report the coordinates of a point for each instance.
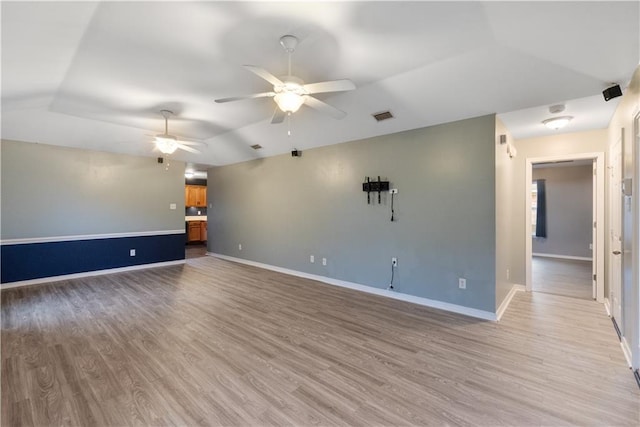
(132, 252)
(394, 261)
(393, 191)
(462, 283)
(239, 246)
(172, 206)
(591, 246)
(210, 205)
(312, 259)
(324, 261)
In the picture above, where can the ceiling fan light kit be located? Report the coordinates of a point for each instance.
(168, 144)
(289, 102)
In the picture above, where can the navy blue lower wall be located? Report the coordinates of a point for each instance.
(38, 260)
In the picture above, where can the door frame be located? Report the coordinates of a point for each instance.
(615, 205)
(598, 158)
(635, 200)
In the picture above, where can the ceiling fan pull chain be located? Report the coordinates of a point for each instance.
(289, 123)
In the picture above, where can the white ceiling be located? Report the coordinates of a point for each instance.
(95, 75)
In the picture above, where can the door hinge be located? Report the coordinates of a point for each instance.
(594, 277)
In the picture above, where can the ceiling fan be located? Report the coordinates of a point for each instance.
(290, 92)
(167, 143)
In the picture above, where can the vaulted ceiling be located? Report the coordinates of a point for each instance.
(96, 75)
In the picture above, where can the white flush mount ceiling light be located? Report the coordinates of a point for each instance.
(188, 174)
(557, 123)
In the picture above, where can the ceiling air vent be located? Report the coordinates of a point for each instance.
(256, 146)
(383, 116)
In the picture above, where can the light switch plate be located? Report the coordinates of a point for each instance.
(172, 206)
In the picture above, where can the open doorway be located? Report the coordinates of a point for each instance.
(564, 242)
(195, 211)
(561, 228)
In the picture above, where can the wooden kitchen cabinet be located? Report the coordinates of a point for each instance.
(197, 231)
(195, 195)
(203, 231)
(193, 232)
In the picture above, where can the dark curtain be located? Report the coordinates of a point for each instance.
(541, 215)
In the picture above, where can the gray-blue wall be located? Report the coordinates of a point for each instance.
(52, 191)
(68, 211)
(283, 209)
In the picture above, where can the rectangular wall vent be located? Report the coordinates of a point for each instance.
(383, 116)
(256, 146)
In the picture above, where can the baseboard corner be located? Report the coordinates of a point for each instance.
(507, 300)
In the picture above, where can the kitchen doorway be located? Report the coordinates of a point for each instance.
(196, 205)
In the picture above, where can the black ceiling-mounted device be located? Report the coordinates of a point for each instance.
(296, 153)
(612, 92)
(160, 160)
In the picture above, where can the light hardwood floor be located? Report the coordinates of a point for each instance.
(216, 343)
(568, 277)
(195, 251)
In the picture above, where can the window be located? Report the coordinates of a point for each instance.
(538, 209)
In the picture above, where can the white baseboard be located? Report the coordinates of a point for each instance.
(607, 306)
(579, 258)
(626, 350)
(473, 312)
(88, 274)
(505, 303)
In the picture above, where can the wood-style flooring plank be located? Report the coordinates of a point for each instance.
(216, 343)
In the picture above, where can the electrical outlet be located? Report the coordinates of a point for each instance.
(394, 261)
(239, 246)
(590, 246)
(324, 261)
(172, 206)
(132, 252)
(462, 283)
(312, 259)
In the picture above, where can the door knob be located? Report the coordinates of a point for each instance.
(617, 252)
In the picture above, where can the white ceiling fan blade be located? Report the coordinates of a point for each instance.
(330, 86)
(193, 143)
(323, 107)
(189, 149)
(261, 72)
(252, 96)
(278, 116)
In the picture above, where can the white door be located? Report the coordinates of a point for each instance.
(615, 235)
